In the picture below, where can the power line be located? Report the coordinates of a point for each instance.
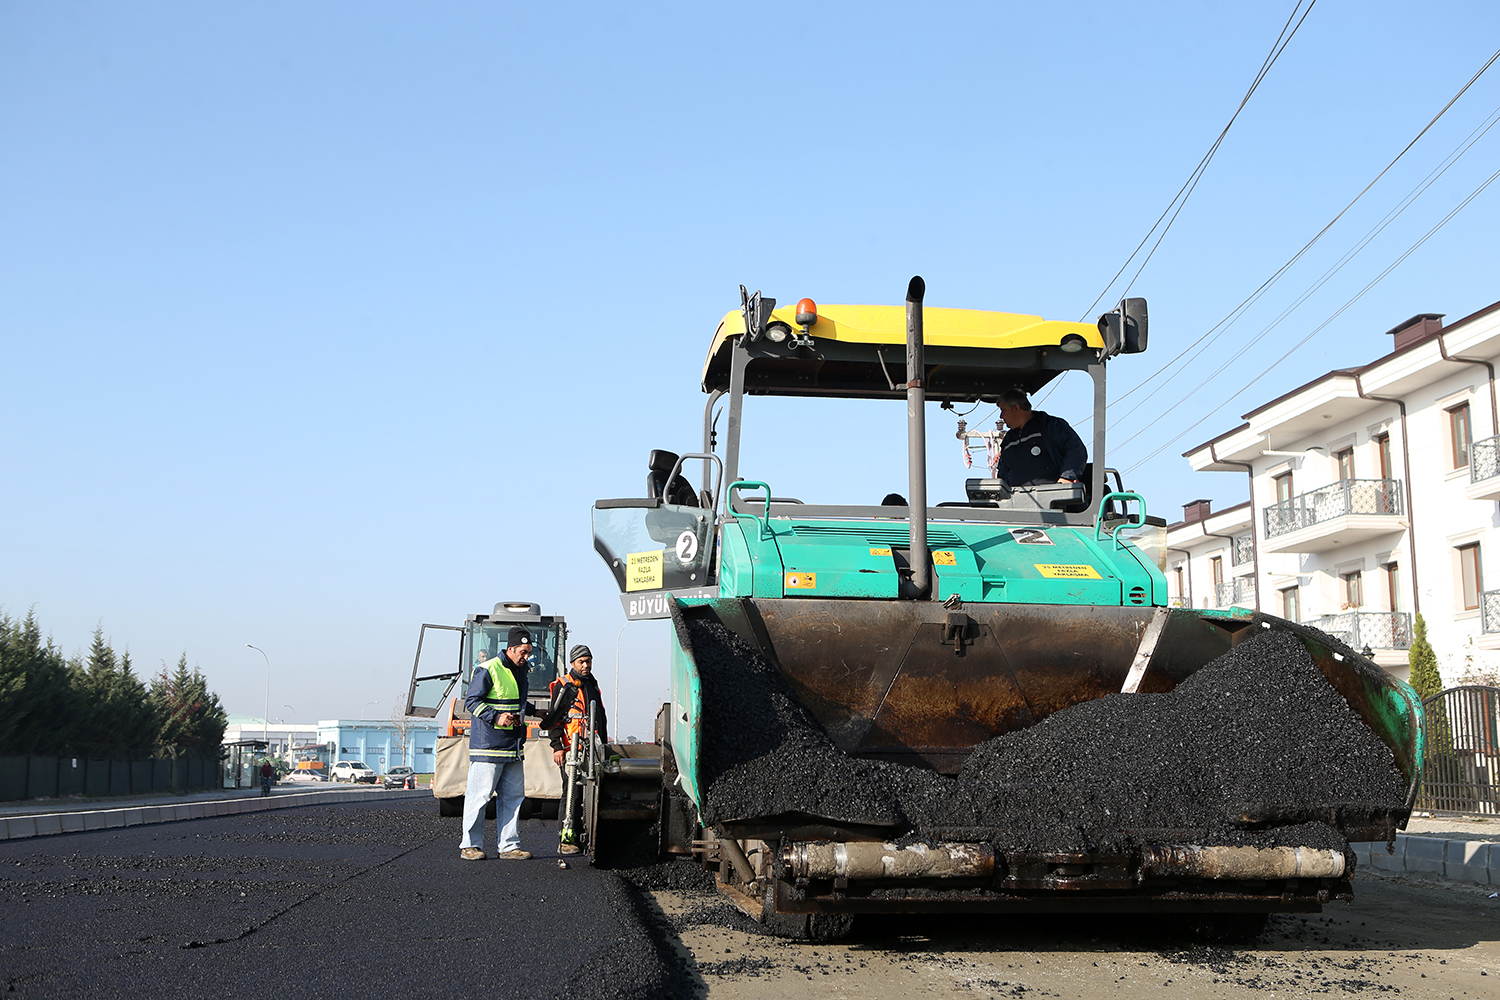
(1338, 265)
(1336, 314)
(1184, 192)
(1222, 325)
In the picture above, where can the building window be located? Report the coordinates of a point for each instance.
(1393, 585)
(1177, 574)
(1383, 455)
(1470, 584)
(1216, 569)
(1458, 430)
(1289, 604)
(1345, 459)
(1354, 589)
(1283, 487)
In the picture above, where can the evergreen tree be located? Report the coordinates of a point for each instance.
(190, 719)
(119, 720)
(1428, 683)
(1423, 677)
(12, 681)
(95, 704)
(39, 703)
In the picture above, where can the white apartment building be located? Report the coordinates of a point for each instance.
(1211, 557)
(1373, 496)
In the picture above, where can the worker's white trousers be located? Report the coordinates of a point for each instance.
(484, 778)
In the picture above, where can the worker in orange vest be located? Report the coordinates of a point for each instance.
(566, 719)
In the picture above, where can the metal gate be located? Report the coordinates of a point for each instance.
(1461, 772)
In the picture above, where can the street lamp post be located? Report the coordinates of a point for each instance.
(365, 715)
(266, 732)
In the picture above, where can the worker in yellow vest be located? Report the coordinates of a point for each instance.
(496, 700)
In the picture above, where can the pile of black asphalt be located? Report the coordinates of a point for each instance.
(357, 899)
(1256, 732)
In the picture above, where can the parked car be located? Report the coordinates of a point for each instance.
(354, 771)
(397, 777)
(306, 776)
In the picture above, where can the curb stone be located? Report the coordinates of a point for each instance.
(45, 824)
(1459, 860)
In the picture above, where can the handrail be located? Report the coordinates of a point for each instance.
(718, 481)
(1133, 520)
(766, 514)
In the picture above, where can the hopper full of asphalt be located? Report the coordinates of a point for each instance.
(1258, 730)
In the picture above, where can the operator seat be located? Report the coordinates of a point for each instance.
(677, 492)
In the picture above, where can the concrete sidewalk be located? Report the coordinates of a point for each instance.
(40, 819)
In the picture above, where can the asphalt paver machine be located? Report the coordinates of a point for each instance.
(913, 634)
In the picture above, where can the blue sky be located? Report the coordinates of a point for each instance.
(320, 321)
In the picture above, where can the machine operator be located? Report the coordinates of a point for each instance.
(1038, 448)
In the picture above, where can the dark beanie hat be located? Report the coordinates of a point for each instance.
(577, 651)
(517, 636)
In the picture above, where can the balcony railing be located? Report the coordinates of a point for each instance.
(1240, 590)
(1484, 459)
(1376, 629)
(1351, 496)
(1489, 611)
(1244, 548)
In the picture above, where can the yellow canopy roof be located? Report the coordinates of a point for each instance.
(940, 327)
(980, 329)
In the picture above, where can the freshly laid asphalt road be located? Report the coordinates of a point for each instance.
(370, 899)
(320, 901)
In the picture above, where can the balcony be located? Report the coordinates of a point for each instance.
(1489, 611)
(1240, 590)
(1244, 549)
(1484, 470)
(1376, 629)
(1354, 510)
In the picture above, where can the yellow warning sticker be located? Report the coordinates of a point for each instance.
(880, 552)
(802, 581)
(944, 559)
(643, 570)
(1067, 572)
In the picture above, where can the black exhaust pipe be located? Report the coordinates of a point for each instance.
(916, 441)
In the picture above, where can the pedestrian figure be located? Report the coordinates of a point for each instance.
(497, 738)
(566, 721)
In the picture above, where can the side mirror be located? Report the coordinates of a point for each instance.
(1124, 328)
(1135, 325)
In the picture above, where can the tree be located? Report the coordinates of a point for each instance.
(190, 719)
(1424, 676)
(402, 729)
(118, 719)
(96, 704)
(1427, 682)
(39, 702)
